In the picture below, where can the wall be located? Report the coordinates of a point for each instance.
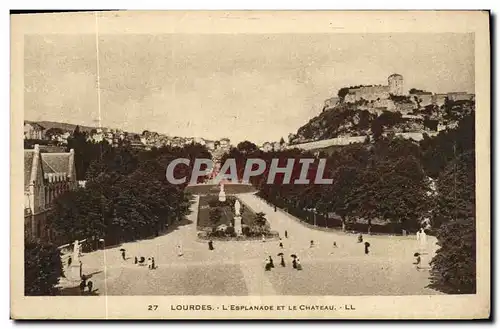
(368, 93)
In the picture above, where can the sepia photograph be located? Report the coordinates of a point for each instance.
(250, 165)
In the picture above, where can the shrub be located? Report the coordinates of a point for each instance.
(230, 231)
(43, 268)
(245, 230)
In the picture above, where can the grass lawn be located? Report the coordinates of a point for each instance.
(247, 215)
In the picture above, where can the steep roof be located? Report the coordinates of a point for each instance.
(395, 75)
(56, 162)
(28, 165)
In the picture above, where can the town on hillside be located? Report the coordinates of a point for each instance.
(355, 113)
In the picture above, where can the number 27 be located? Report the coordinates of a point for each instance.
(152, 307)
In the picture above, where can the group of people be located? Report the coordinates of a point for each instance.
(269, 263)
(84, 284)
(367, 245)
(142, 261)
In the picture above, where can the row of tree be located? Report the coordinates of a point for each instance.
(127, 195)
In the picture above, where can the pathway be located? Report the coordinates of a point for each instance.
(237, 267)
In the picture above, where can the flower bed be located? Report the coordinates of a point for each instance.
(202, 235)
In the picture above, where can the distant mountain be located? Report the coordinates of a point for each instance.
(61, 125)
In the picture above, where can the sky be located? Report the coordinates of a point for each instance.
(257, 87)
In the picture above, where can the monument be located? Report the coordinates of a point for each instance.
(75, 269)
(237, 218)
(222, 194)
(423, 240)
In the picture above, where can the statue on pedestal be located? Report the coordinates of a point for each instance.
(75, 267)
(237, 208)
(423, 239)
(237, 218)
(222, 194)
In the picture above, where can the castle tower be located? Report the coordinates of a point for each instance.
(396, 83)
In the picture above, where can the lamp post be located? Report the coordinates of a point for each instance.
(104, 260)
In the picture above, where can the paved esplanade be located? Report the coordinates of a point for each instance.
(237, 267)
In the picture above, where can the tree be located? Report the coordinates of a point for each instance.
(53, 132)
(79, 214)
(415, 91)
(454, 266)
(342, 93)
(438, 151)
(127, 197)
(42, 269)
(247, 147)
(456, 191)
(260, 219)
(342, 193)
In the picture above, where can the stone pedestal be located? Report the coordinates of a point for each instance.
(237, 225)
(222, 196)
(74, 272)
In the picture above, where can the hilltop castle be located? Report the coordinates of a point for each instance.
(395, 83)
(392, 97)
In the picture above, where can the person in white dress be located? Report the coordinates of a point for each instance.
(179, 250)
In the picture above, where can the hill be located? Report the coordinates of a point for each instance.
(356, 119)
(61, 125)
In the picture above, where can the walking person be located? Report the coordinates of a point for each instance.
(286, 234)
(334, 246)
(299, 266)
(294, 261)
(149, 263)
(271, 261)
(281, 243)
(263, 238)
(312, 244)
(282, 262)
(153, 265)
(210, 245)
(135, 260)
(418, 260)
(89, 285)
(360, 238)
(367, 245)
(179, 250)
(268, 265)
(123, 254)
(83, 284)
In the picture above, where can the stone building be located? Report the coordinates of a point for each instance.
(368, 93)
(438, 99)
(33, 130)
(460, 96)
(396, 84)
(46, 177)
(421, 98)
